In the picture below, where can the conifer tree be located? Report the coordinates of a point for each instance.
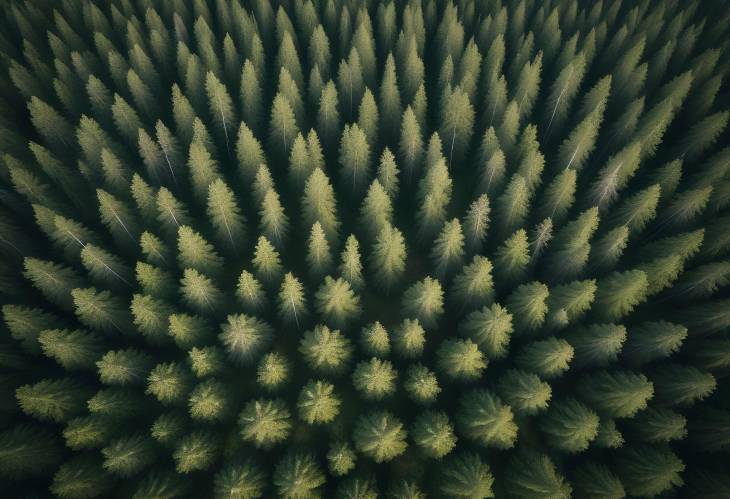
(319, 256)
(377, 210)
(292, 302)
(424, 301)
(540, 189)
(265, 422)
(266, 262)
(409, 338)
(380, 436)
(245, 337)
(325, 350)
(617, 394)
(483, 418)
(649, 471)
(297, 475)
(490, 328)
(569, 425)
(434, 434)
(460, 359)
(473, 286)
(336, 302)
(350, 267)
(524, 392)
(547, 358)
(466, 475)
(318, 204)
(225, 214)
(532, 474)
(374, 378)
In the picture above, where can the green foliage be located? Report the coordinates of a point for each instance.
(569, 425)
(532, 475)
(648, 471)
(265, 422)
(483, 418)
(380, 436)
(297, 476)
(466, 475)
(325, 350)
(504, 224)
(434, 434)
(375, 379)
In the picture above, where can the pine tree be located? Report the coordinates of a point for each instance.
(128, 455)
(483, 418)
(434, 193)
(341, 458)
(659, 424)
(473, 286)
(424, 301)
(209, 401)
(26, 325)
(81, 477)
(245, 479)
(266, 262)
(524, 392)
(380, 436)
(617, 394)
(547, 358)
(528, 306)
(168, 382)
(490, 328)
(421, 384)
(318, 204)
(374, 340)
(292, 301)
(466, 475)
(447, 253)
(265, 422)
(617, 294)
(350, 268)
(297, 475)
(336, 303)
(476, 223)
(512, 258)
(410, 145)
(282, 126)
(325, 350)
(434, 434)
(319, 256)
(28, 450)
(649, 471)
(409, 339)
(460, 359)
(368, 117)
(388, 257)
(377, 210)
(651, 341)
(225, 215)
(681, 385)
(375, 378)
(100, 310)
(354, 158)
(569, 425)
(52, 399)
(249, 152)
(596, 480)
(597, 345)
(531, 474)
(245, 337)
(273, 371)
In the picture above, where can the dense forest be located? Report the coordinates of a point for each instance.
(364, 248)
